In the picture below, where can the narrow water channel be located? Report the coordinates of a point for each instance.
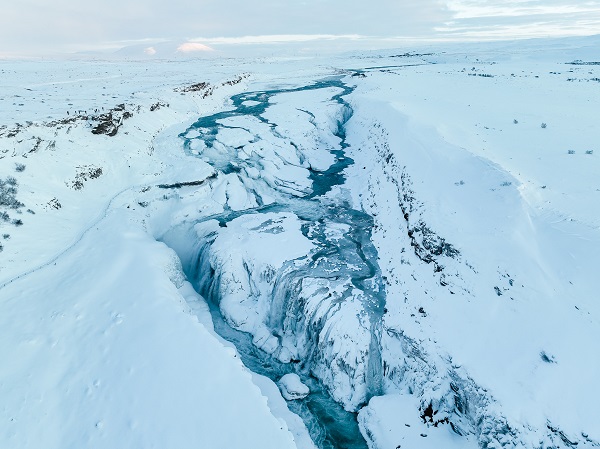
(352, 255)
(329, 425)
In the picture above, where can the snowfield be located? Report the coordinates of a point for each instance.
(408, 235)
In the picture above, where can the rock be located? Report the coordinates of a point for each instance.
(285, 355)
(266, 341)
(292, 387)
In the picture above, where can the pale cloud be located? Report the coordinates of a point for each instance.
(468, 9)
(529, 30)
(278, 38)
(497, 19)
(74, 25)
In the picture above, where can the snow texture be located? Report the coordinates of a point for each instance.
(416, 230)
(292, 387)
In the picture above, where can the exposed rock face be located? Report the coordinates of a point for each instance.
(110, 122)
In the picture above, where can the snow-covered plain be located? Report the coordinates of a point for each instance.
(416, 229)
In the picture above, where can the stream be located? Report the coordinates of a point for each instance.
(349, 254)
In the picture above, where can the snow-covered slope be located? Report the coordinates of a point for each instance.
(413, 234)
(109, 355)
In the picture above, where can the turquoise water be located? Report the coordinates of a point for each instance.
(353, 256)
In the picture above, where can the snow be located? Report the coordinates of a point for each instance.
(110, 355)
(292, 387)
(471, 171)
(391, 424)
(485, 233)
(242, 298)
(287, 108)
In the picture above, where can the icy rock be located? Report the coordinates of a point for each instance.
(266, 341)
(292, 387)
(285, 355)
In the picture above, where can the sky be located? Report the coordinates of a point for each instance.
(41, 26)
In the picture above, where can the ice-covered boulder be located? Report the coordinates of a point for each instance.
(292, 387)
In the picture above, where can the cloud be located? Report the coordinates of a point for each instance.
(469, 9)
(484, 19)
(73, 25)
(277, 38)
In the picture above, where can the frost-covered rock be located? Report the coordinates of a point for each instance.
(288, 299)
(266, 341)
(292, 387)
(390, 422)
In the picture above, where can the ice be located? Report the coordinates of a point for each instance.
(292, 387)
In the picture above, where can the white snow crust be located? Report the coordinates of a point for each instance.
(292, 387)
(476, 164)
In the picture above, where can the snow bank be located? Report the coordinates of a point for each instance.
(478, 294)
(389, 422)
(104, 353)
